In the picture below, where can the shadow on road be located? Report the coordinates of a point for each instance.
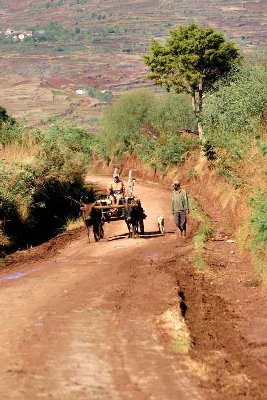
(146, 235)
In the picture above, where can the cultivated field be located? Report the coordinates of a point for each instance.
(81, 43)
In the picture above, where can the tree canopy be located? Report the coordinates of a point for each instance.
(192, 60)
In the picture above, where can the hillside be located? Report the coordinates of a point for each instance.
(81, 43)
(244, 20)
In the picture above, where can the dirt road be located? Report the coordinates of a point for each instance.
(105, 320)
(89, 322)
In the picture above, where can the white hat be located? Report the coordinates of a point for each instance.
(176, 183)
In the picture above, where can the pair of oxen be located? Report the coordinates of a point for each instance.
(94, 218)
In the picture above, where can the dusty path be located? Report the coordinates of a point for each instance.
(103, 321)
(85, 324)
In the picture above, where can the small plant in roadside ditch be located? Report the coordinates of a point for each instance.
(202, 235)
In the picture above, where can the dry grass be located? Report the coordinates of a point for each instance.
(233, 202)
(17, 153)
(197, 368)
(172, 322)
(74, 224)
(4, 240)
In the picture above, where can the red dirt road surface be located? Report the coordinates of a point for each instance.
(103, 321)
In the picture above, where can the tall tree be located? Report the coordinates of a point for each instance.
(191, 60)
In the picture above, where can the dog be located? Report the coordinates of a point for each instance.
(161, 225)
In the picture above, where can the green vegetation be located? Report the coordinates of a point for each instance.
(5, 118)
(235, 115)
(232, 116)
(77, 2)
(259, 220)
(191, 61)
(40, 188)
(149, 126)
(202, 235)
(102, 95)
(51, 32)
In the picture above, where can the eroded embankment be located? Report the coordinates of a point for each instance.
(217, 343)
(220, 356)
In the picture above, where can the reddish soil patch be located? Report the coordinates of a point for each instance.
(234, 372)
(57, 83)
(41, 252)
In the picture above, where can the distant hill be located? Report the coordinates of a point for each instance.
(132, 22)
(95, 46)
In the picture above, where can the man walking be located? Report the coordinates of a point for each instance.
(180, 207)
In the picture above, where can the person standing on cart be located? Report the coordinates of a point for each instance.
(116, 189)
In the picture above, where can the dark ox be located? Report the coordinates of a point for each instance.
(134, 216)
(93, 218)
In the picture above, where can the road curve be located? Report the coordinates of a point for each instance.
(85, 323)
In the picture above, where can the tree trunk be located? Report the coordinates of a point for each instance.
(197, 107)
(200, 96)
(200, 104)
(194, 102)
(200, 130)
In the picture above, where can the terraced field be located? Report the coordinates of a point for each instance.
(98, 43)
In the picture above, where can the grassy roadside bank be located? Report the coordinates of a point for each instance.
(204, 231)
(42, 180)
(158, 132)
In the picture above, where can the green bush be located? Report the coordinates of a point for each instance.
(166, 151)
(122, 123)
(4, 117)
(51, 32)
(259, 218)
(264, 148)
(149, 125)
(102, 95)
(38, 196)
(175, 150)
(172, 113)
(232, 115)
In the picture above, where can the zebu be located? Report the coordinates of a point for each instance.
(134, 217)
(92, 217)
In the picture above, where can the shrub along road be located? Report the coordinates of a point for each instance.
(104, 321)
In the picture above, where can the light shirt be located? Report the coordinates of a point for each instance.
(179, 201)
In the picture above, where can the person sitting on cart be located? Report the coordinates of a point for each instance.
(116, 189)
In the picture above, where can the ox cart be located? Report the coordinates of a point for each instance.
(103, 210)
